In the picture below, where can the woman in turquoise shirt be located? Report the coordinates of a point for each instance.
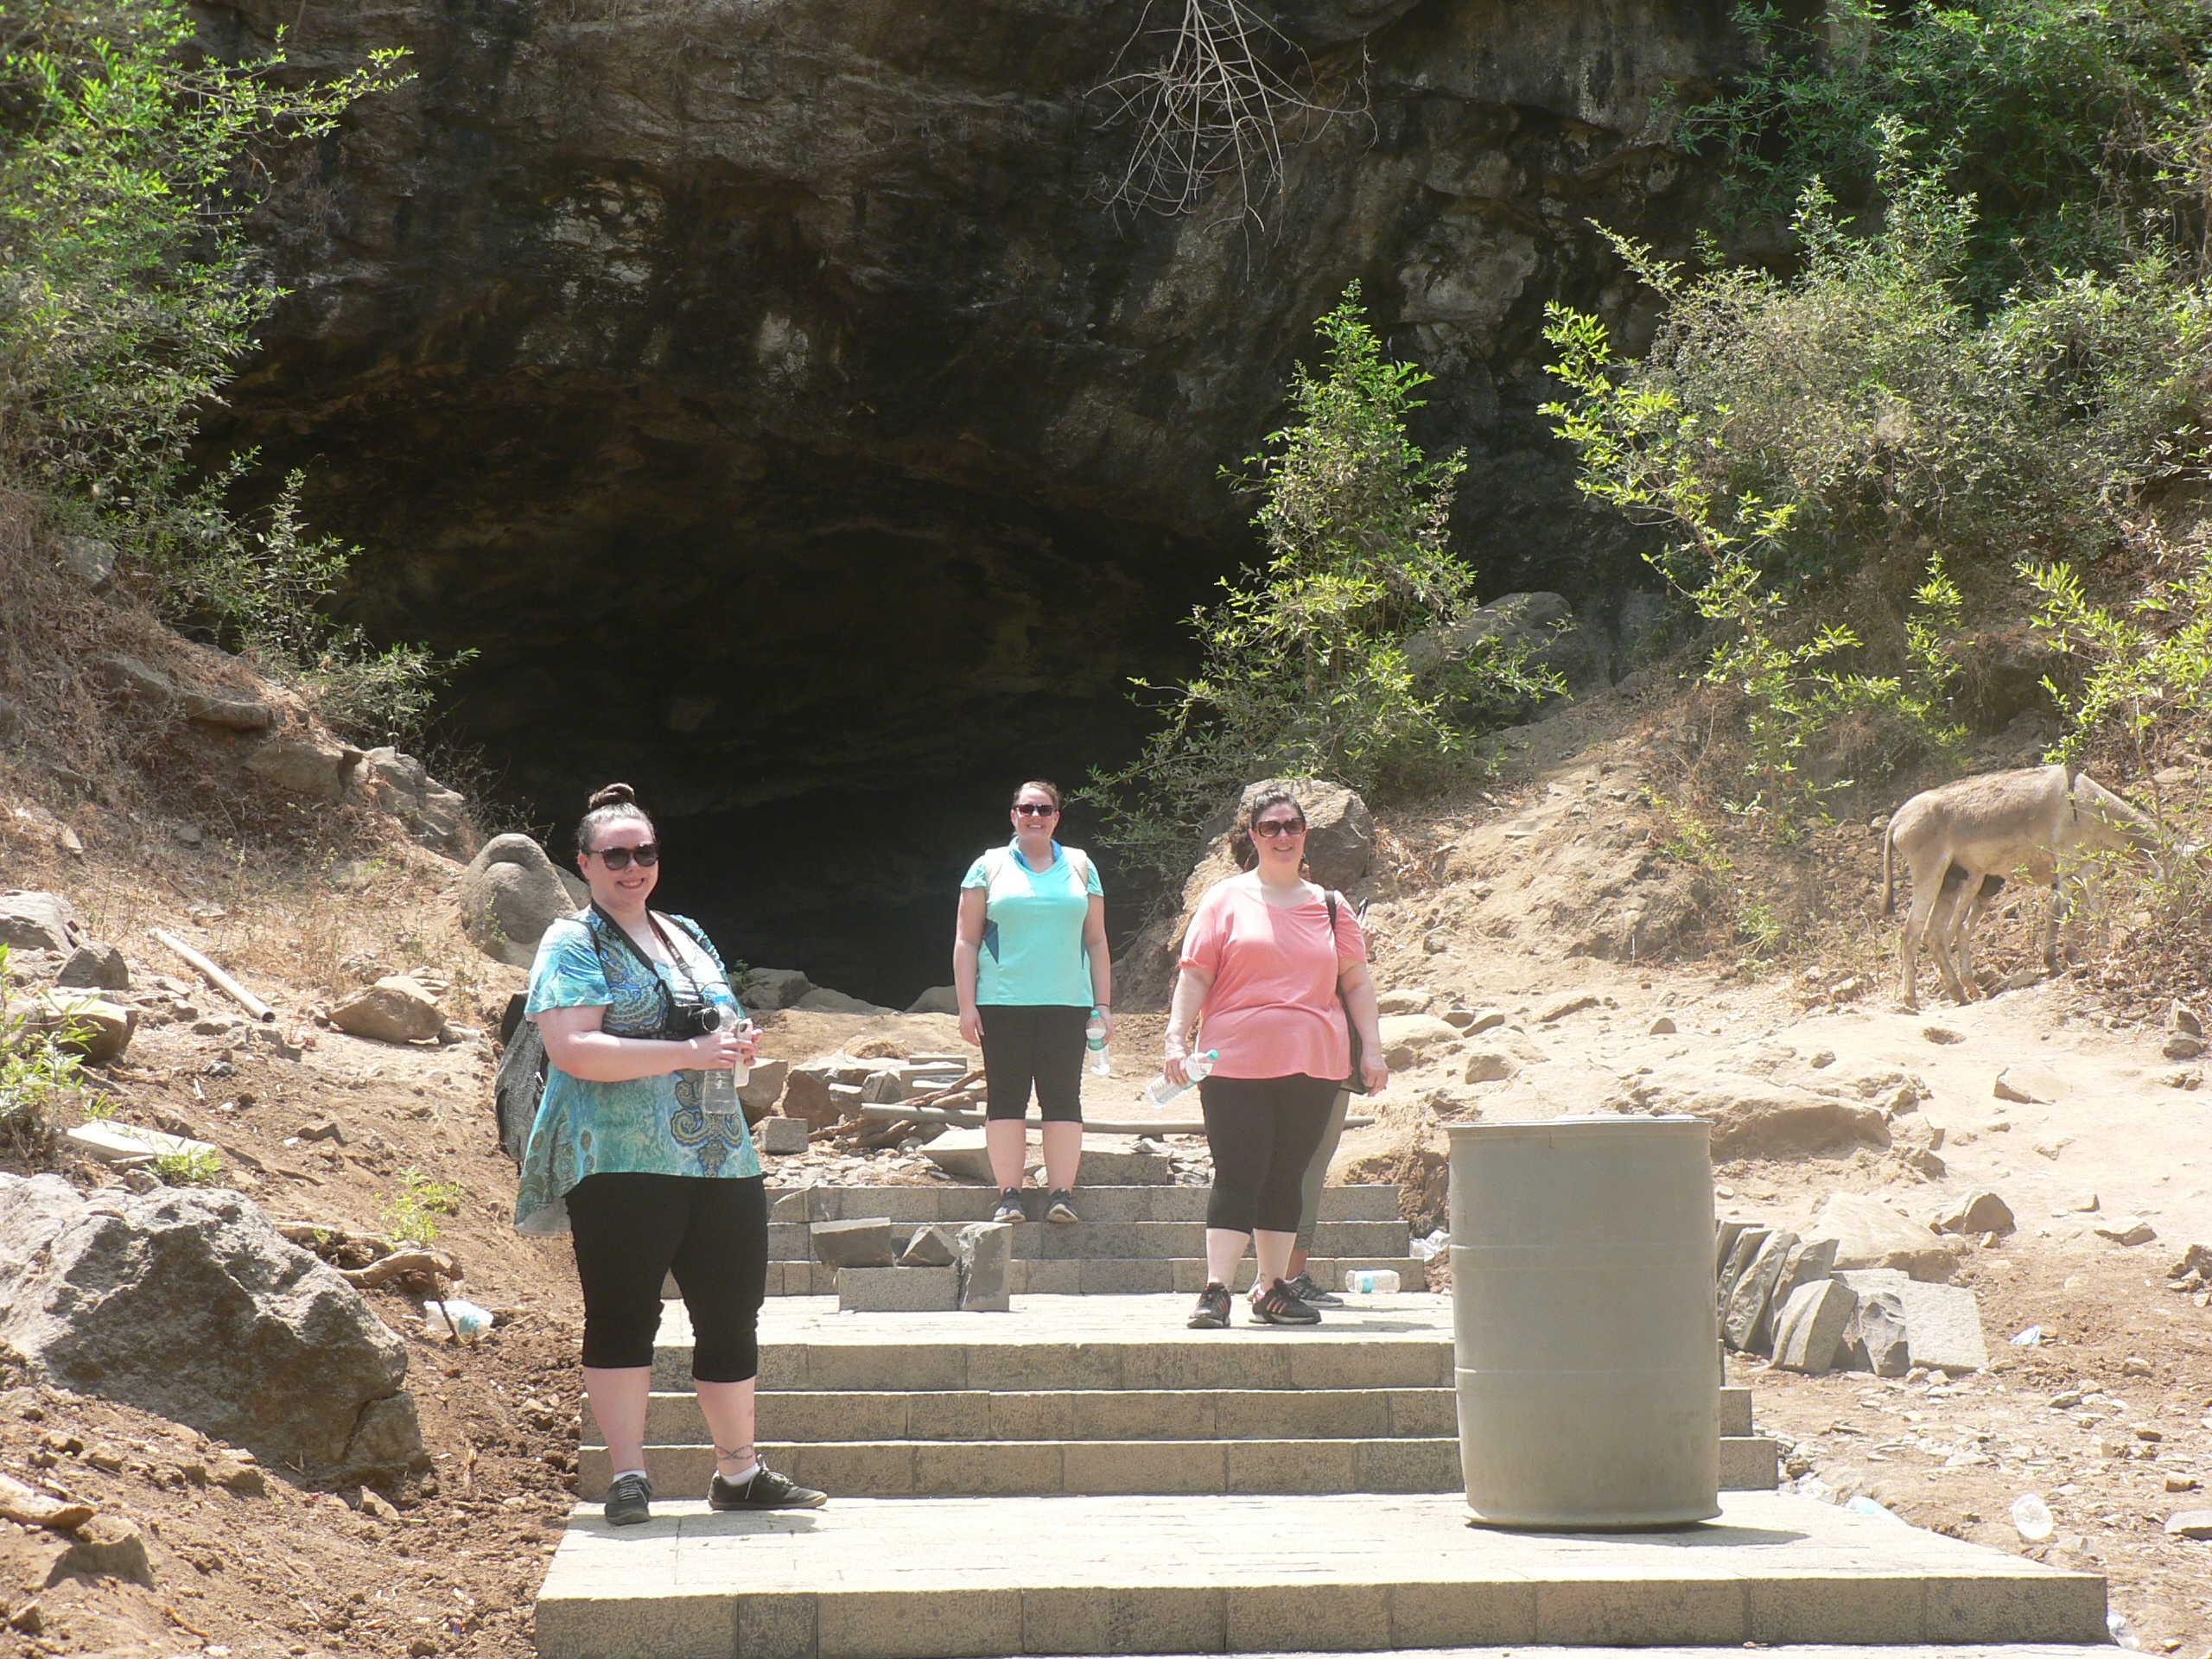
(1030, 965)
(647, 1172)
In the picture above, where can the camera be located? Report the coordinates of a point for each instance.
(689, 1017)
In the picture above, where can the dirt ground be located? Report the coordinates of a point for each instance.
(1571, 875)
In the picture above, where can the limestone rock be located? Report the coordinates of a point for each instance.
(1754, 1118)
(806, 1096)
(1881, 1333)
(1741, 1254)
(864, 1243)
(2190, 1524)
(773, 987)
(228, 709)
(1560, 1005)
(1943, 1328)
(312, 765)
(1406, 1036)
(2125, 1229)
(396, 1010)
(763, 1087)
(405, 788)
(95, 965)
(1869, 1234)
(87, 558)
(96, 1028)
(1408, 999)
(1977, 1213)
(820, 1001)
(2028, 1085)
(1811, 1260)
(1810, 1329)
(509, 895)
(938, 999)
(1662, 1026)
(1491, 1065)
(1745, 1324)
(188, 1304)
(129, 677)
(1340, 829)
(985, 1266)
(32, 920)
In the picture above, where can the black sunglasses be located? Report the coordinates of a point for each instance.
(1268, 829)
(618, 858)
(1034, 809)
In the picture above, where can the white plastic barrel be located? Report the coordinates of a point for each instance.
(1584, 1322)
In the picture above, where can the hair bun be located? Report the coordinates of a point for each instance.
(614, 795)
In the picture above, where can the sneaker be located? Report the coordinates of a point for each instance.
(1212, 1312)
(1010, 1208)
(1312, 1294)
(629, 1501)
(766, 1490)
(1276, 1306)
(1061, 1206)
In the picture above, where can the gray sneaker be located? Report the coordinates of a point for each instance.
(1010, 1207)
(1306, 1291)
(629, 1501)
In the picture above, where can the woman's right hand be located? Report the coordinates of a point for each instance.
(1174, 1067)
(971, 1026)
(718, 1051)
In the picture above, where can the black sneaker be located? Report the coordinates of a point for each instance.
(1212, 1312)
(629, 1501)
(1312, 1294)
(766, 1490)
(1010, 1207)
(1276, 1306)
(1060, 1206)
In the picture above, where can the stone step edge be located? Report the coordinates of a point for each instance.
(1735, 1401)
(1108, 1276)
(1104, 1468)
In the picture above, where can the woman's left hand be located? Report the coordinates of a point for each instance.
(1373, 1072)
(748, 1040)
(1107, 1014)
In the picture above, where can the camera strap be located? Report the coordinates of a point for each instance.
(676, 957)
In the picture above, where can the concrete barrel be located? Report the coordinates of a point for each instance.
(1583, 1323)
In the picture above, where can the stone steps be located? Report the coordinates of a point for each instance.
(1126, 1241)
(950, 1577)
(1100, 1205)
(1184, 1275)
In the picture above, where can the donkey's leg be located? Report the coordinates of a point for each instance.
(1942, 926)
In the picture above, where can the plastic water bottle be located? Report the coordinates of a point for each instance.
(1094, 1038)
(1159, 1091)
(718, 1092)
(1371, 1281)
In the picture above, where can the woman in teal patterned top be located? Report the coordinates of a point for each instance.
(627, 1153)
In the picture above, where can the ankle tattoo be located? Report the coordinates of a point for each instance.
(740, 1455)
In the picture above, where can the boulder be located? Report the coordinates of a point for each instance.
(1491, 1065)
(938, 999)
(188, 1304)
(1755, 1117)
(762, 1088)
(1869, 1234)
(1880, 1338)
(31, 920)
(1810, 1329)
(129, 677)
(318, 766)
(405, 788)
(1406, 1036)
(87, 558)
(1977, 1213)
(807, 1097)
(1408, 999)
(1339, 832)
(509, 895)
(930, 1247)
(396, 1010)
(93, 1027)
(229, 710)
(96, 966)
(819, 1001)
(773, 987)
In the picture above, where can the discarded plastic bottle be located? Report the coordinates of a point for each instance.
(1094, 1038)
(1371, 1281)
(1159, 1091)
(718, 1092)
(2032, 1517)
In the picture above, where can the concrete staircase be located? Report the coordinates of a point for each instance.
(1132, 1240)
(1159, 1410)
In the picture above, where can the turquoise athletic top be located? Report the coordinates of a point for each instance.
(1032, 928)
(648, 1125)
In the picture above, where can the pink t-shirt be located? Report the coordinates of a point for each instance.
(1272, 1010)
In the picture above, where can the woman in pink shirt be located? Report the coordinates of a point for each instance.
(1262, 969)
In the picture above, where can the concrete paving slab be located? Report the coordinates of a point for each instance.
(945, 1577)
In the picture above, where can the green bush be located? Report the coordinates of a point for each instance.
(410, 1214)
(38, 1076)
(129, 296)
(1334, 659)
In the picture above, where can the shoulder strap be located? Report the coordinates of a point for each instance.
(1079, 862)
(994, 863)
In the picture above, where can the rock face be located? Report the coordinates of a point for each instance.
(510, 894)
(188, 1304)
(789, 311)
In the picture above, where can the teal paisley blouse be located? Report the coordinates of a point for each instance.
(649, 1125)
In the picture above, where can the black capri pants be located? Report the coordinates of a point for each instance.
(631, 1230)
(1027, 1043)
(1263, 1133)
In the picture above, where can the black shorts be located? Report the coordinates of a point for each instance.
(1027, 1043)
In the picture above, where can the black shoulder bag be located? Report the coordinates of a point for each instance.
(1356, 1082)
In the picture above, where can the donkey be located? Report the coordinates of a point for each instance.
(1961, 840)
